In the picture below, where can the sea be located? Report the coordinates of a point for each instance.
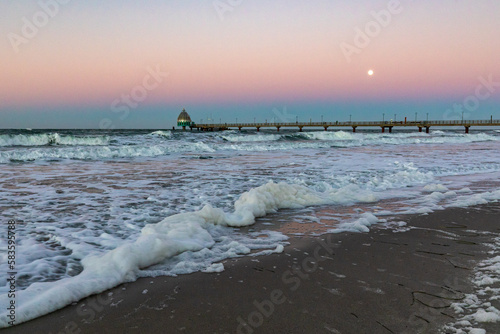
(97, 208)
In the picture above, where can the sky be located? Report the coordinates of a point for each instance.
(131, 64)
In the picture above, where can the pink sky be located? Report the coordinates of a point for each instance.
(89, 56)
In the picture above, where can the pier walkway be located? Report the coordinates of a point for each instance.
(387, 125)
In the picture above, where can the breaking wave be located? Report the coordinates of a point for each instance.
(53, 146)
(166, 134)
(51, 139)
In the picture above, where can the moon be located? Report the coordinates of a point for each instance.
(370, 72)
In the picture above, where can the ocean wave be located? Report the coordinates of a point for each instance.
(100, 152)
(166, 134)
(59, 147)
(357, 139)
(332, 135)
(51, 139)
(251, 138)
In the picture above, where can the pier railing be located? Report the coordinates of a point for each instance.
(382, 124)
(367, 123)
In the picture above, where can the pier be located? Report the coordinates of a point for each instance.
(384, 125)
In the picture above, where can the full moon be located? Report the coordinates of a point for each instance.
(370, 72)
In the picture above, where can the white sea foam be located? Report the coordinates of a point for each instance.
(174, 235)
(214, 268)
(477, 308)
(361, 224)
(165, 239)
(475, 199)
(435, 188)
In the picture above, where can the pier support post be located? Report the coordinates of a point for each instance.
(278, 128)
(326, 128)
(258, 128)
(467, 129)
(390, 129)
(427, 129)
(419, 129)
(353, 129)
(383, 129)
(300, 128)
(239, 128)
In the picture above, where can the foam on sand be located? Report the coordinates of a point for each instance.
(180, 233)
(477, 308)
(435, 188)
(361, 224)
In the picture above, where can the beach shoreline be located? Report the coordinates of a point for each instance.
(382, 281)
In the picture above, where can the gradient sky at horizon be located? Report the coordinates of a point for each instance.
(262, 59)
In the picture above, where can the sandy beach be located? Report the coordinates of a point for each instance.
(377, 282)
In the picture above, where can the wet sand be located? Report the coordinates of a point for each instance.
(376, 282)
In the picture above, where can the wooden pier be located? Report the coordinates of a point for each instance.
(385, 126)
